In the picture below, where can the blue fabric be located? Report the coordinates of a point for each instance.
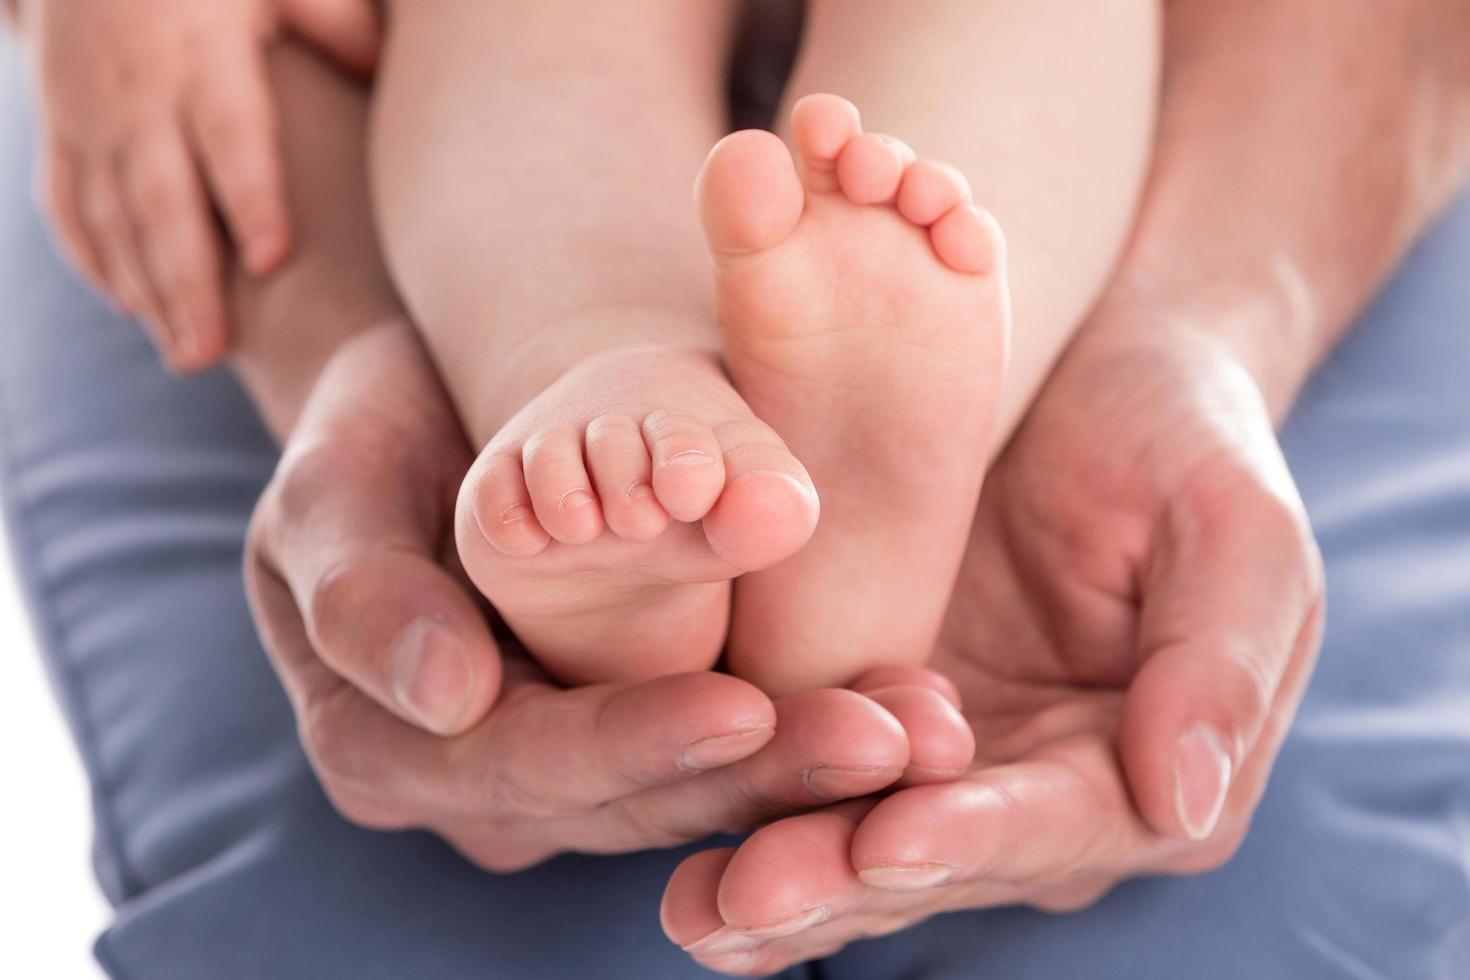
(128, 493)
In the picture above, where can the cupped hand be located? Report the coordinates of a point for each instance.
(410, 719)
(1134, 625)
(151, 115)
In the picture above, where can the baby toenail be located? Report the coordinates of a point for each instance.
(573, 499)
(639, 490)
(689, 457)
(514, 514)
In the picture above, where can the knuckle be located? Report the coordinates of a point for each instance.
(495, 852)
(330, 744)
(647, 825)
(230, 124)
(335, 599)
(305, 473)
(363, 811)
(1071, 897)
(511, 797)
(158, 199)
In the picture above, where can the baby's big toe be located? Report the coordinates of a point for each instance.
(769, 508)
(748, 193)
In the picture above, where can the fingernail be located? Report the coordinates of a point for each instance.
(722, 941)
(573, 499)
(908, 877)
(800, 922)
(833, 783)
(430, 674)
(638, 491)
(514, 514)
(1202, 771)
(721, 750)
(689, 457)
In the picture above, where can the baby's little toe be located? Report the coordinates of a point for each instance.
(968, 239)
(496, 497)
(930, 190)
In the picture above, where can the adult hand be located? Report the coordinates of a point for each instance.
(1136, 620)
(393, 672)
(147, 117)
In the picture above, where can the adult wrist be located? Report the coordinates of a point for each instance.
(1265, 319)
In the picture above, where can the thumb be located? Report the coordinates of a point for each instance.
(1230, 597)
(348, 30)
(348, 538)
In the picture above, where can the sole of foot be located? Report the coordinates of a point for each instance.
(862, 298)
(605, 521)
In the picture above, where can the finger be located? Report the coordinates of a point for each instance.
(1214, 644)
(361, 754)
(763, 906)
(179, 248)
(233, 124)
(829, 745)
(104, 210)
(557, 754)
(59, 195)
(355, 533)
(1020, 824)
(690, 909)
(941, 741)
(787, 894)
(737, 912)
(896, 675)
(347, 30)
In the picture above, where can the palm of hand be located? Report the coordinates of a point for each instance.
(1098, 617)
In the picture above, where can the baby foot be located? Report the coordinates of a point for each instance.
(865, 314)
(606, 519)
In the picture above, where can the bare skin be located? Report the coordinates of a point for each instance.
(151, 120)
(865, 315)
(345, 567)
(597, 327)
(1129, 688)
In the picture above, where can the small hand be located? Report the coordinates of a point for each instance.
(394, 674)
(152, 114)
(1135, 623)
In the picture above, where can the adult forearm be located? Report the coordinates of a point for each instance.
(1303, 145)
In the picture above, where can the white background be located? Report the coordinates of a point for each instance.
(50, 908)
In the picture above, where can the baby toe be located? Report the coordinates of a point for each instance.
(968, 239)
(871, 167)
(623, 476)
(930, 190)
(688, 467)
(561, 490)
(496, 497)
(821, 125)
